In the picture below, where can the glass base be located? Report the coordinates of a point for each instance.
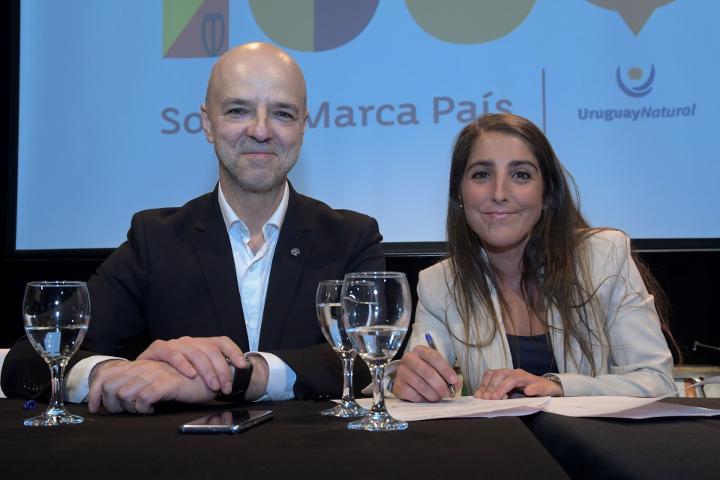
(53, 417)
(377, 423)
(349, 409)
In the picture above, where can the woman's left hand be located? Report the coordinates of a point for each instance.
(496, 384)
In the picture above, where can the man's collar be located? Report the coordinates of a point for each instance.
(276, 219)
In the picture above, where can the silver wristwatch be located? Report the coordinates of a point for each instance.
(553, 378)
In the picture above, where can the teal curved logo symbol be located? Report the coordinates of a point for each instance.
(469, 21)
(313, 25)
(635, 83)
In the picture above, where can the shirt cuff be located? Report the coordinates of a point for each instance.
(77, 381)
(281, 379)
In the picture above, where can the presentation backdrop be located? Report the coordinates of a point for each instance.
(627, 92)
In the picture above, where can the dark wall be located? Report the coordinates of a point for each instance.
(688, 278)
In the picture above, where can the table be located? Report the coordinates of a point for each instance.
(300, 443)
(672, 448)
(297, 443)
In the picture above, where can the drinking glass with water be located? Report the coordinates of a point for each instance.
(329, 312)
(56, 316)
(376, 315)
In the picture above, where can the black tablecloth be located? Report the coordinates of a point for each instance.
(660, 448)
(297, 443)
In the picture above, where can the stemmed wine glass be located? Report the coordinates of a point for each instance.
(328, 305)
(56, 316)
(376, 315)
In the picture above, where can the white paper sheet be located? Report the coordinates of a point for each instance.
(662, 409)
(460, 407)
(600, 406)
(595, 406)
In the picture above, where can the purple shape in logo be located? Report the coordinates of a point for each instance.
(213, 33)
(338, 22)
(640, 90)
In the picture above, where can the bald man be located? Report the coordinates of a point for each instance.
(217, 298)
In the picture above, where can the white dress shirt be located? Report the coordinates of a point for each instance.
(253, 273)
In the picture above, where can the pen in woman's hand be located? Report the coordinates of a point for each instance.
(431, 344)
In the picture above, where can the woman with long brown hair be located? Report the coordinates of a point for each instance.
(530, 297)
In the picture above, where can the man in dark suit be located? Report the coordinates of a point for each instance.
(195, 288)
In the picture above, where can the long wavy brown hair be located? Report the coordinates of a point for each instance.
(555, 263)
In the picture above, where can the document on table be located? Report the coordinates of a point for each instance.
(623, 407)
(460, 407)
(599, 406)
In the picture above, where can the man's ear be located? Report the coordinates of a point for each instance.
(206, 124)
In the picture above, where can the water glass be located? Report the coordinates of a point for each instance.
(329, 312)
(376, 316)
(56, 316)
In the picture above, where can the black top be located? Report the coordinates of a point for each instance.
(533, 353)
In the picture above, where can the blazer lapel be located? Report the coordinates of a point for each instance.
(293, 246)
(212, 246)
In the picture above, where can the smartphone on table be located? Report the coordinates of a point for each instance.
(230, 421)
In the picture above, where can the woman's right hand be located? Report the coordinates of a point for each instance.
(424, 376)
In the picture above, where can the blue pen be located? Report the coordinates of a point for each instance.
(431, 344)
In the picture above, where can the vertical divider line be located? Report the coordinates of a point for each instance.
(544, 104)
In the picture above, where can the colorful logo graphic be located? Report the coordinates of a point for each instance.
(469, 21)
(313, 25)
(195, 28)
(637, 84)
(635, 12)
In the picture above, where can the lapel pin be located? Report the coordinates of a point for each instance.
(294, 251)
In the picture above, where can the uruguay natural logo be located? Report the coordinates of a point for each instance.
(635, 83)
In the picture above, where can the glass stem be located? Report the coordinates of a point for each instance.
(347, 360)
(56, 384)
(378, 407)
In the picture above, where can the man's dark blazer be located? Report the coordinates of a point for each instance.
(175, 276)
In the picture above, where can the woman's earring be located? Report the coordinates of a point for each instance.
(460, 202)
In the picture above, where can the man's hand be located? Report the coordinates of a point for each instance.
(496, 384)
(424, 375)
(206, 356)
(136, 386)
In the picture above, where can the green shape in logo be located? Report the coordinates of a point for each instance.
(313, 25)
(176, 14)
(469, 21)
(195, 28)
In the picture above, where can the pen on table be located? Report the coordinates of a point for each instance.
(431, 344)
